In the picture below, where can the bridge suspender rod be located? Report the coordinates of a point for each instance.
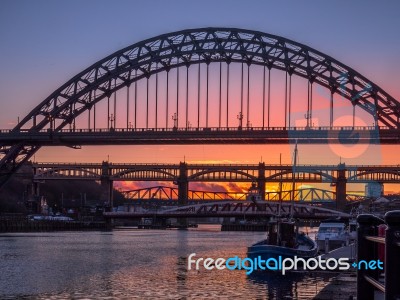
(354, 101)
(176, 120)
(70, 112)
(290, 97)
(127, 106)
(311, 102)
(135, 98)
(157, 99)
(198, 97)
(308, 104)
(227, 96)
(74, 118)
(187, 97)
(108, 113)
(220, 93)
(94, 111)
(115, 105)
(286, 98)
(241, 99)
(89, 111)
(269, 94)
(263, 110)
(147, 102)
(248, 95)
(207, 97)
(166, 104)
(331, 112)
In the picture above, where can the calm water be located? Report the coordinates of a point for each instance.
(137, 264)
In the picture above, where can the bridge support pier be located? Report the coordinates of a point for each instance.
(183, 188)
(183, 184)
(106, 185)
(341, 188)
(261, 182)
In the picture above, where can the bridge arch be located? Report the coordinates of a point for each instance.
(162, 174)
(195, 46)
(193, 177)
(60, 172)
(375, 176)
(279, 175)
(206, 45)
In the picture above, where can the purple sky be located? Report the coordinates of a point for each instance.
(44, 43)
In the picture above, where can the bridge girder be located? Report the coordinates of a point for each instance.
(237, 209)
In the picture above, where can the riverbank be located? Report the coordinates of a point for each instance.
(24, 225)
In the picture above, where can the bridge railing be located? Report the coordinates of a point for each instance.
(370, 245)
(194, 129)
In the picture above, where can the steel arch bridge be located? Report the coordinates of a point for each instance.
(69, 116)
(166, 193)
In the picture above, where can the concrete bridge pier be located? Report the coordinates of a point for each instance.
(183, 190)
(106, 185)
(261, 182)
(183, 184)
(341, 187)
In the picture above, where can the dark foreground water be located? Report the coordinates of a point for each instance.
(141, 264)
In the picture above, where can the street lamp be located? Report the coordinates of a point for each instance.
(240, 118)
(175, 118)
(111, 121)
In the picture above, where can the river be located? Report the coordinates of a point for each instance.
(145, 264)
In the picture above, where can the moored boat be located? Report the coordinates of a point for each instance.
(332, 234)
(283, 241)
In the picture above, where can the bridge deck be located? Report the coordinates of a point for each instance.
(214, 135)
(231, 209)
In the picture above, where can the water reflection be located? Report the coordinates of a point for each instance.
(293, 285)
(181, 262)
(137, 264)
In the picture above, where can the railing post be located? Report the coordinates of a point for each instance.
(366, 250)
(392, 255)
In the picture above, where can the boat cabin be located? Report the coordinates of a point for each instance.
(282, 233)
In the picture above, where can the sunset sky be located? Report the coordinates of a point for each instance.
(45, 43)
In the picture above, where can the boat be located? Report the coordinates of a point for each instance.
(285, 241)
(335, 233)
(283, 237)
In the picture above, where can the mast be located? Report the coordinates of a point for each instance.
(280, 188)
(293, 181)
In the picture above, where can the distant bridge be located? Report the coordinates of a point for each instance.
(239, 209)
(183, 173)
(165, 193)
(217, 172)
